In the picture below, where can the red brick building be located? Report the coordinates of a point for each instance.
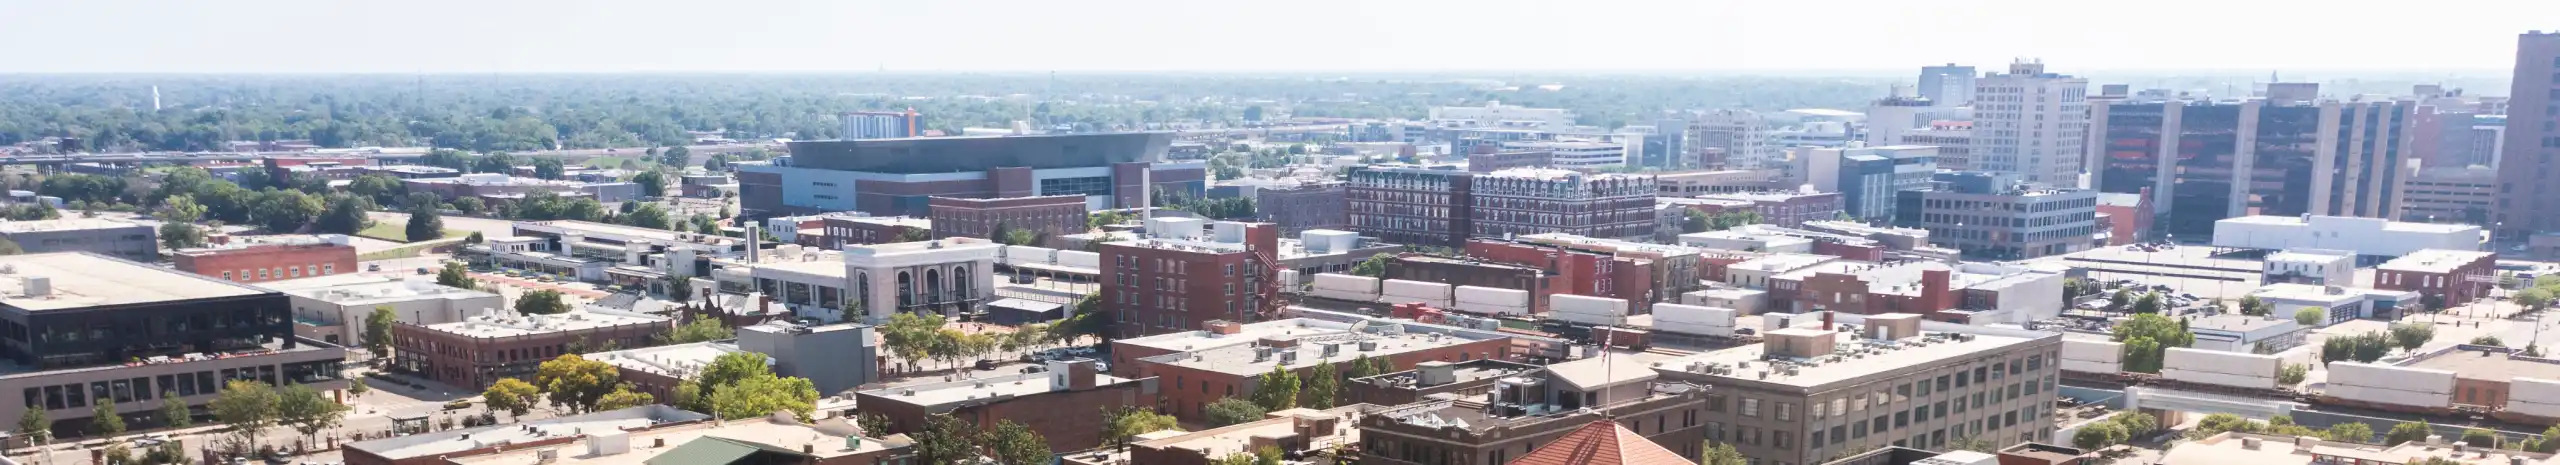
(1181, 277)
(2129, 216)
(262, 262)
(1491, 162)
(2452, 277)
(1065, 405)
(840, 231)
(1478, 273)
(1574, 271)
(1054, 215)
(1866, 288)
(479, 350)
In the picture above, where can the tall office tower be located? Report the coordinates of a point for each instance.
(1947, 86)
(2206, 161)
(2031, 123)
(2528, 201)
(1744, 137)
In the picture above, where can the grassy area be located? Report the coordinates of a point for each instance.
(398, 231)
(616, 162)
(406, 251)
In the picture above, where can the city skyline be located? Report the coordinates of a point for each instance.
(478, 36)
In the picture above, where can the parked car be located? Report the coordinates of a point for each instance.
(986, 364)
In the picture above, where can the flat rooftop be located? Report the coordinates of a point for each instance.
(1245, 359)
(2307, 292)
(680, 361)
(451, 441)
(2435, 260)
(594, 228)
(63, 224)
(1447, 414)
(356, 289)
(1471, 370)
(826, 439)
(1782, 262)
(2394, 226)
(1250, 332)
(81, 279)
(2227, 448)
(510, 324)
(2239, 323)
(1238, 438)
(1878, 357)
(905, 221)
(2490, 365)
(982, 389)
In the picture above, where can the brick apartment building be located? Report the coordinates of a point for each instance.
(838, 231)
(481, 349)
(1195, 378)
(1184, 275)
(1405, 204)
(270, 261)
(1543, 200)
(1315, 205)
(1790, 209)
(2129, 216)
(1498, 161)
(1051, 216)
(1065, 404)
(1577, 272)
(1849, 292)
(2454, 277)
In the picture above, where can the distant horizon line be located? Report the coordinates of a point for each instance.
(1799, 72)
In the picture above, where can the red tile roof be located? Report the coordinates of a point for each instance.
(1601, 443)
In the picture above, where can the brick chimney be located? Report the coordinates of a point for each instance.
(1224, 327)
(1935, 294)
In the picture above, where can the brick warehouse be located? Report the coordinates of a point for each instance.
(1065, 405)
(1557, 270)
(1182, 277)
(270, 261)
(479, 350)
(2451, 277)
(1054, 215)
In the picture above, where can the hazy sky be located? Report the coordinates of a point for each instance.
(516, 36)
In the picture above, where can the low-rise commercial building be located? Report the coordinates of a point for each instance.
(1303, 207)
(2446, 278)
(1789, 208)
(1509, 159)
(89, 329)
(2317, 267)
(1064, 404)
(1990, 216)
(841, 230)
(2129, 215)
(2338, 304)
(1466, 380)
(1200, 376)
(1187, 272)
(2451, 194)
(2373, 239)
(483, 348)
(334, 309)
(1293, 432)
(1688, 184)
(263, 259)
(120, 239)
(1675, 268)
(1987, 292)
(1046, 216)
(2231, 332)
(648, 434)
(1811, 391)
(1527, 414)
(946, 277)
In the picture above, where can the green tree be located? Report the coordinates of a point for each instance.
(1375, 266)
(469, 205)
(356, 388)
(1277, 390)
(1322, 383)
(2310, 317)
(246, 407)
(945, 440)
(2477, 437)
(511, 395)
(549, 168)
(1014, 444)
(34, 423)
(1972, 444)
(455, 276)
(2160, 332)
(764, 395)
(874, 425)
(1718, 453)
(2253, 307)
(425, 224)
(495, 162)
(174, 412)
(1230, 410)
(676, 156)
(2408, 431)
(575, 382)
(2143, 355)
(2536, 298)
(2349, 432)
(2135, 424)
(542, 302)
(308, 411)
(649, 215)
(2488, 341)
(2121, 300)
(2098, 436)
(2149, 303)
(377, 331)
(345, 215)
(382, 189)
(701, 330)
(652, 183)
(2223, 422)
(2292, 374)
(1118, 425)
(179, 235)
(623, 397)
(914, 235)
(2410, 336)
(286, 210)
(104, 421)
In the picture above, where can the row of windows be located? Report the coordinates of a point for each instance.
(323, 269)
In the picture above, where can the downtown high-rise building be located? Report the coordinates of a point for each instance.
(2207, 161)
(2528, 201)
(2031, 123)
(1947, 86)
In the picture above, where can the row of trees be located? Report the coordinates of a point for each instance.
(1694, 221)
(245, 407)
(1281, 389)
(917, 337)
(735, 385)
(2371, 346)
